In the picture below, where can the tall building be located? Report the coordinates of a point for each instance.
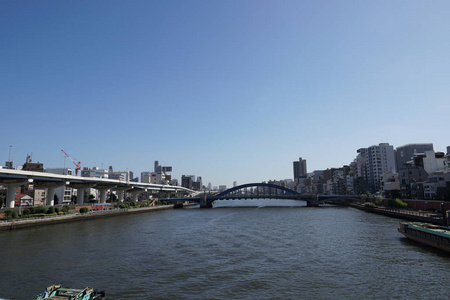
(198, 184)
(146, 177)
(118, 175)
(379, 160)
(186, 181)
(404, 154)
(300, 169)
(160, 174)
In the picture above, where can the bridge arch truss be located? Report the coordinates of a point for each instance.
(259, 190)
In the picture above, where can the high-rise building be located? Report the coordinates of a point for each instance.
(146, 177)
(403, 154)
(379, 160)
(186, 181)
(300, 169)
(160, 174)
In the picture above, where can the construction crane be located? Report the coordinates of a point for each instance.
(78, 167)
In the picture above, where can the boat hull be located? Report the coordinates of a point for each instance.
(427, 234)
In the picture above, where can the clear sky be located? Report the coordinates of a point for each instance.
(226, 90)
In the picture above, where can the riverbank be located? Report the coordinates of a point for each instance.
(404, 214)
(75, 217)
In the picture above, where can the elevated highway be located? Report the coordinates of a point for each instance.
(11, 179)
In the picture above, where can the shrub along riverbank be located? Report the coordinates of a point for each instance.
(38, 218)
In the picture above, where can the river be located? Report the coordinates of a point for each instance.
(226, 253)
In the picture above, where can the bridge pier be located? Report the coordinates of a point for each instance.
(314, 201)
(204, 203)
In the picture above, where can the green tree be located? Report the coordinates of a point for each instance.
(112, 197)
(91, 198)
(8, 213)
(66, 208)
(396, 203)
(41, 209)
(378, 200)
(2, 200)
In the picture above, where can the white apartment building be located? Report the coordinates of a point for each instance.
(379, 160)
(433, 161)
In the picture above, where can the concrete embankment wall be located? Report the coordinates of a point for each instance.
(409, 215)
(27, 223)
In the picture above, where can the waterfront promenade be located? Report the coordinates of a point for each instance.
(76, 216)
(405, 214)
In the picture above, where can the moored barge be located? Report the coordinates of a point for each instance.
(429, 234)
(59, 293)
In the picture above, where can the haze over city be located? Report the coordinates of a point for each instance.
(226, 90)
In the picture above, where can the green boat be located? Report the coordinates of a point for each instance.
(432, 235)
(57, 292)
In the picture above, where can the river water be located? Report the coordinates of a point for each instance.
(226, 253)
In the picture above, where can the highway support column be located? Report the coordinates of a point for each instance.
(51, 192)
(10, 194)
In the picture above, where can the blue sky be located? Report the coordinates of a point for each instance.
(226, 90)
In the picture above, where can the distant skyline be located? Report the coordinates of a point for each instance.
(226, 90)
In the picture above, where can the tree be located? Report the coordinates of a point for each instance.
(2, 200)
(396, 203)
(66, 208)
(112, 197)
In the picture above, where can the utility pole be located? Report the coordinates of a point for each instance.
(9, 158)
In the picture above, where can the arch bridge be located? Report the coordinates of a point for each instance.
(262, 191)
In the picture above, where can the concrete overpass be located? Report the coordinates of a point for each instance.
(11, 179)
